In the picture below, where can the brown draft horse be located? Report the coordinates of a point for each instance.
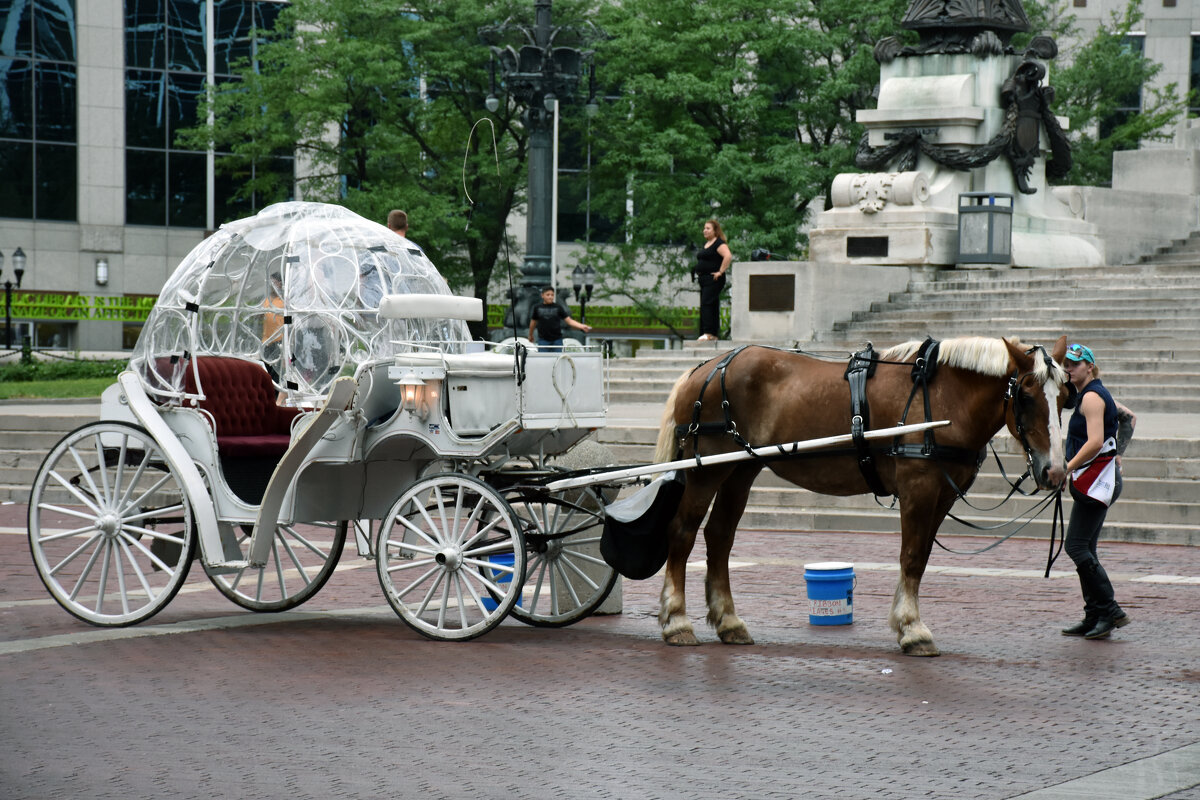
(981, 385)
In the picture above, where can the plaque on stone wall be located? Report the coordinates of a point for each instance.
(772, 293)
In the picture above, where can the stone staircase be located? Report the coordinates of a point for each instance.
(27, 433)
(1142, 320)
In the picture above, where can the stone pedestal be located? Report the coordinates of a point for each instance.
(911, 217)
(788, 302)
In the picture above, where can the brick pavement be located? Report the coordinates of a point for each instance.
(350, 703)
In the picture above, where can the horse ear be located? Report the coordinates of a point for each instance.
(1022, 360)
(1060, 349)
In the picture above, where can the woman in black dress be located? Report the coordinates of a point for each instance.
(712, 262)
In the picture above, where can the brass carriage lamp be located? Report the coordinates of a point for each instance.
(412, 394)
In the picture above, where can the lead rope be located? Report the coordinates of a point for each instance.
(1056, 522)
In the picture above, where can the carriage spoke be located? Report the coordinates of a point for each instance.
(127, 541)
(158, 484)
(423, 534)
(87, 568)
(54, 537)
(74, 490)
(278, 567)
(537, 566)
(135, 480)
(86, 473)
(106, 548)
(102, 468)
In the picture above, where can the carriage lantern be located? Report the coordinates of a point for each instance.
(412, 393)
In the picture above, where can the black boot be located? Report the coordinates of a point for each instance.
(1081, 628)
(1099, 589)
(1090, 613)
(1104, 627)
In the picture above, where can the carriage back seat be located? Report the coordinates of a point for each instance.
(241, 398)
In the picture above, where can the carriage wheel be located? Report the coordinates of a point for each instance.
(303, 556)
(451, 557)
(566, 579)
(110, 525)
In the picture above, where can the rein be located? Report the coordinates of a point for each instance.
(1057, 524)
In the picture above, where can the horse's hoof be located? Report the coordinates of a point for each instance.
(926, 649)
(736, 636)
(682, 639)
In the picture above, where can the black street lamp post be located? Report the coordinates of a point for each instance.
(538, 76)
(19, 270)
(583, 281)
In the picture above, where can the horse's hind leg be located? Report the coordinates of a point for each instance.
(681, 537)
(718, 541)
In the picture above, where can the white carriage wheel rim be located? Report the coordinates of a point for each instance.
(108, 526)
(449, 571)
(285, 581)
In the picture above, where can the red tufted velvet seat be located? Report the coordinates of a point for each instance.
(241, 399)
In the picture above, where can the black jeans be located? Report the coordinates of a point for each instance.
(1083, 532)
(710, 304)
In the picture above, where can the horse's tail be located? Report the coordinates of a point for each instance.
(665, 449)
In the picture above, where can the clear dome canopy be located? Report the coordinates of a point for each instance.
(297, 288)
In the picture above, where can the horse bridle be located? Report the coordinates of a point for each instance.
(1013, 395)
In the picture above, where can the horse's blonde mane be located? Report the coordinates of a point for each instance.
(984, 355)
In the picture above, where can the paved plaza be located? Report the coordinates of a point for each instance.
(339, 699)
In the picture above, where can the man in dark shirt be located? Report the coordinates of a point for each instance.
(547, 319)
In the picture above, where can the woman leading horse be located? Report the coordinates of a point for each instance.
(758, 396)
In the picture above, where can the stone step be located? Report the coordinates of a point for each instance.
(758, 518)
(1131, 356)
(1069, 315)
(1042, 285)
(1182, 257)
(1145, 400)
(983, 505)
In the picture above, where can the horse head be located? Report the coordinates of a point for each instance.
(1037, 390)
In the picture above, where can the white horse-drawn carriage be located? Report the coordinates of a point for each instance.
(307, 373)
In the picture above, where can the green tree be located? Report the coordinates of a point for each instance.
(1096, 79)
(738, 109)
(379, 101)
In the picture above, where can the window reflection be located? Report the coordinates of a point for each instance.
(146, 188)
(185, 35)
(164, 85)
(55, 86)
(38, 109)
(16, 98)
(56, 184)
(16, 37)
(145, 93)
(16, 165)
(145, 45)
(54, 30)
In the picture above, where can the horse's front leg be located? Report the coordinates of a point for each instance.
(917, 529)
(681, 537)
(718, 540)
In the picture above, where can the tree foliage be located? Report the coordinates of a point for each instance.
(1095, 80)
(741, 110)
(380, 103)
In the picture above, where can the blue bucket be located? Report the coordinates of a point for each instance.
(499, 577)
(830, 592)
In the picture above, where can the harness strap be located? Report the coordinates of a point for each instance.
(696, 429)
(860, 368)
